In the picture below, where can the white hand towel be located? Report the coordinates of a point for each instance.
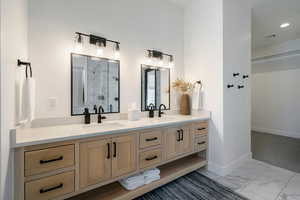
(132, 186)
(197, 97)
(133, 179)
(151, 179)
(27, 110)
(152, 172)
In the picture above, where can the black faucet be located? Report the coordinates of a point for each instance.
(100, 117)
(159, 109)
(151, 108)
(95, 109)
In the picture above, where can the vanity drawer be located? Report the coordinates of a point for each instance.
(150, 158)
(46, 160)
(200, 143)
(50, 187)
(200, 128)
(149, 139)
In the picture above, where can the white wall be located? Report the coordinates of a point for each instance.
(203, 57)
(236, 58)
(137, 24)
(13, 46)
(275, 92)
(217, 43)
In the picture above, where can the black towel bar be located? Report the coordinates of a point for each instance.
(27, 65)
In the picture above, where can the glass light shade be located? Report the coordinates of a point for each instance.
(100, 49)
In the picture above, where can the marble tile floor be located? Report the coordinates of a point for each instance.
(260, 181)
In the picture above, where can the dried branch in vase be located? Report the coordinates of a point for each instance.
(182, 86)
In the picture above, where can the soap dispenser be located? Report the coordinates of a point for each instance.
(87, 116)
(151, 109)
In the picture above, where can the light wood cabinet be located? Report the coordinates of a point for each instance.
(45, 160)
(150, 138)
(185, 144)
(172, 138)
(63, 169)
(178, 141)
(95, 162)
(50, 187)
(150, 158)
(124, 155)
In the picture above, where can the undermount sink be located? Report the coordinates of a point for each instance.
(109, 125)
(162, 119)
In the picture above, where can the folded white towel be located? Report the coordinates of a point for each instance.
(133, 179)
(151, 172)
(151, 179)
(27, 110)
(132, 186)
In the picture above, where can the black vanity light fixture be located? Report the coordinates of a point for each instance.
(99, 42)
(154, 54)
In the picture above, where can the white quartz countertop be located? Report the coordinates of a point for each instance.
(32, 136)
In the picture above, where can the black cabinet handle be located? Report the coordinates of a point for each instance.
(201, 129)
(52, 188)
(240, 86)
(181, 131)
(52, 160)
(151, 139)
(179, 135)
(115, 149)
(108, 150)
(200, 143)
(152, 158)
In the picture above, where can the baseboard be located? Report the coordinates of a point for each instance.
(276, 132)
(225, 170)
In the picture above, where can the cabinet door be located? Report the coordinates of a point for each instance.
(172, 137)
(186, 144)
(124, 155)
(95, 162)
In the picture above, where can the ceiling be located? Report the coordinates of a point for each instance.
(267, 17)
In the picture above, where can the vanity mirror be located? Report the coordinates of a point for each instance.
(155, 87)
(94, 81)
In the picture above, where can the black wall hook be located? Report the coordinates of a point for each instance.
(230, 86)
(240, 86)
(245, 76)
(236, 74)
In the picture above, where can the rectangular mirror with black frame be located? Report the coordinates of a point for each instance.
(155, 87)
(95, 81)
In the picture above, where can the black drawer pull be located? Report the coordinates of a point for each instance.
(179, 135)
(52, 160)
(52, 188)
(200, 143)
(201, 129)
(152, 158)
(151, 139)
(108, 150)
(181, 131)
(115, 149)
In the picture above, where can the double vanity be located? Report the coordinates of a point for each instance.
(86, 161)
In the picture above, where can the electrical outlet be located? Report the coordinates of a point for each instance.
(52, 103)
